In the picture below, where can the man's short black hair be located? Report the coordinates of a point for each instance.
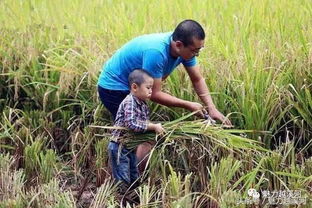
(186, 30)
(138, 76)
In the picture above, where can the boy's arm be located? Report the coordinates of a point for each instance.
(132, 118)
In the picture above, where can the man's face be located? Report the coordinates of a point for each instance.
(188, 52)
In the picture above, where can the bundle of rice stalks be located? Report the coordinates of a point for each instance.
(201, 130)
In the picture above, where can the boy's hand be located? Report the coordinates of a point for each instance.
(158, 128)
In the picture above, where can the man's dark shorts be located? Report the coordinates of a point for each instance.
(112, 99)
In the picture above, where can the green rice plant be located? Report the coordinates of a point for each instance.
(258, 103)
(81, 147)
(156, 168)
(21, 126)
(43, 96)
(251, 175)
(101, 163)
(178, 190)
(100, 115)
(294, 174)
(51, 195)
(12, 182)
(230, 198)
(221, 176)
(33, 119)
(6, 131)
(273, 171)
(12, 203)
(105, 195)
(32, 159)
(149, 195)
(47, 165)
(14, 135)
(308, 172)
(301, 100)
(101, 153)
(39, 163)
(308, 167)
(270, 165)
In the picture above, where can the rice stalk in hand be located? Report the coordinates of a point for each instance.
(181, 128)
(226, 138)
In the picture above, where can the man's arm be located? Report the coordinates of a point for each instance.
(202, 91)
(171, 101)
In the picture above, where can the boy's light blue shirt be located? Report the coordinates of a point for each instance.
(149, 52)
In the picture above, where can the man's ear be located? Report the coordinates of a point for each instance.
(179, 43)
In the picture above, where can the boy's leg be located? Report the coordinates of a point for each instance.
(142, 154)
(112, 99)
(134, 172)
(120, 165)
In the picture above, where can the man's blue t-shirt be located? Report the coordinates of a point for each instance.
(149, 52)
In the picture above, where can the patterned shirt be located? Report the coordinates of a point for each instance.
(133, 114)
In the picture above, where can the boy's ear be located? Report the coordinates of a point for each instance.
(134, 86)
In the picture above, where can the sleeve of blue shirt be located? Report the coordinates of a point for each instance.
(190, 62)
(153, 62)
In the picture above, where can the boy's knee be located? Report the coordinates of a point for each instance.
(143, 149)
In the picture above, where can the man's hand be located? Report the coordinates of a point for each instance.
(193, 106)
(215, 114)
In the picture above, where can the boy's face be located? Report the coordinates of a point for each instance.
(144, 91)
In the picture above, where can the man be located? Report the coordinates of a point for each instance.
(159, 54)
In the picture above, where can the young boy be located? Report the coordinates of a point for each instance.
(133, 113)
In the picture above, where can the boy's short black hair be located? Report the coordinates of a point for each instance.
(138, 76)
(186, 30)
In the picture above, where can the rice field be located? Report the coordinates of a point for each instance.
(257, 62)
